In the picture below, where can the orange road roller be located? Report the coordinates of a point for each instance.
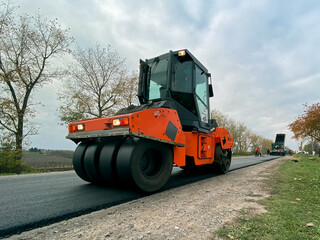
(140, 144)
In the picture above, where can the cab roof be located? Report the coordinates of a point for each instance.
(188, 53)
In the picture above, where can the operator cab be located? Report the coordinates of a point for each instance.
(178, 80)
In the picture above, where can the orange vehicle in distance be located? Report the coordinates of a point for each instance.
(140, 144)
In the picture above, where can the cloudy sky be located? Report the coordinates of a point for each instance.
(263, 55)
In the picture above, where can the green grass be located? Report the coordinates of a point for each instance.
(295, 203)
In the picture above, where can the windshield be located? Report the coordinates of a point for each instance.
(181, 86)
(182, 81)
(158, 78)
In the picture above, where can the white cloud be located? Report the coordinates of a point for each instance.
(306, 80)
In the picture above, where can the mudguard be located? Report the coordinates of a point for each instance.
(223, 137)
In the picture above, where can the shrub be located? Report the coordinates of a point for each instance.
(10, 160)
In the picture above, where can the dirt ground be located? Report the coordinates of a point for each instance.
(193, 211)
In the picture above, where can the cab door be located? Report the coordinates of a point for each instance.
(202, 96)
(143, 79)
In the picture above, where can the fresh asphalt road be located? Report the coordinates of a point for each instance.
(35, 200)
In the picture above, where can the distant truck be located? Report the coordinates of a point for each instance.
(277, 148)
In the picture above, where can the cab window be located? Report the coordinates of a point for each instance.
(202, 95)
(158, 78)
(182, 81)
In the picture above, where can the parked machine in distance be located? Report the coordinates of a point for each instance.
(140, 144)
(278, 148)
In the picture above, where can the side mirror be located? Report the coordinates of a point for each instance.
(210, 91)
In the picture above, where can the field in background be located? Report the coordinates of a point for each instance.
(48, 160)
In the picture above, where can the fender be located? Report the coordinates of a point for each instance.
(223, 137)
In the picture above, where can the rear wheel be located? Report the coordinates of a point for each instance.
(78, 161)
(144, 163)
(222, 159)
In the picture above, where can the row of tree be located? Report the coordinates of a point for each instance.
(306, 129)
(96, 80)
(245, 140)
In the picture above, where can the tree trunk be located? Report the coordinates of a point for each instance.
(19, 139)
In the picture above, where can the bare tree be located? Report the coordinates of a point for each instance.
(257, 141)
(265, 144)
(241, 136)
(5, 14)
(98, 85)
(128, 93)
(27, 47)
(244, 139)
(237, 130)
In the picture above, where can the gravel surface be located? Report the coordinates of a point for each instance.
(193, 211)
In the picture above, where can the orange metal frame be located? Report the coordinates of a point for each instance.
(153, 123)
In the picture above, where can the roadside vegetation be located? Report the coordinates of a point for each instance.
(34, 161)
(10, 161)
(34, 52)
(293, 209)
(245, 140)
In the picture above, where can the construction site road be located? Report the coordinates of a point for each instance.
(35, 200)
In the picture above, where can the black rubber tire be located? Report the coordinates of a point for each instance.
(91, 162)
(146, 164)
(78, 161)
(107, 163)
(222, 160)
